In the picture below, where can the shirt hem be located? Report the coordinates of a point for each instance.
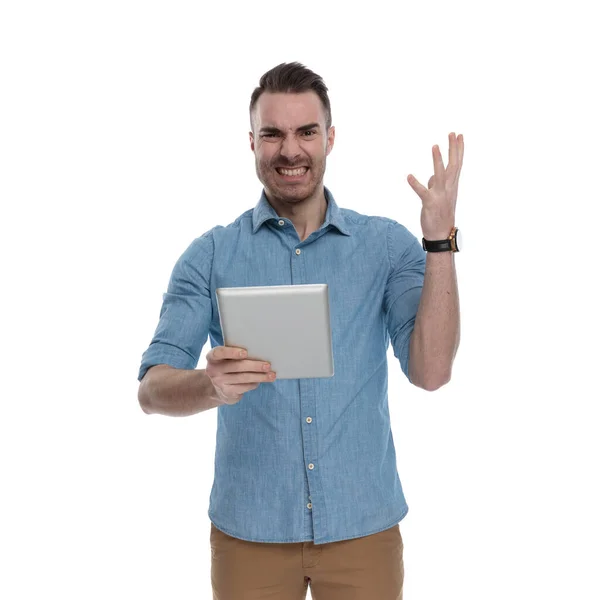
(288, 541)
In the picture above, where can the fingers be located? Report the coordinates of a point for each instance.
(248, 377)
(232, 386)
(233, 375)
(226, 360)
(235, 363)
(455, 154)
(461, 151)
(415, 185)
(452, 155)
(225, 353)
(438, 166)
(455, 159)
(248, 365)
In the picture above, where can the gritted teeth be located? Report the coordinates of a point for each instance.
(292, 172)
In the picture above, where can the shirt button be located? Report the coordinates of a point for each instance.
(282, 222)
(298, 250)
(309, 505)
(309, 419)
(311, 466)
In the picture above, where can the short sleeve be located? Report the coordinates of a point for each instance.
(186, 311)
(403, 289)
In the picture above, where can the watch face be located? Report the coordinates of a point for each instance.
(459, 243)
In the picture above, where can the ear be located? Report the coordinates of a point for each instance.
(251, 141)
(330, 140)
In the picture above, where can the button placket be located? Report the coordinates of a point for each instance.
(311, 466)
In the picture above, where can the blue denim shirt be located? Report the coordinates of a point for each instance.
(310, 459)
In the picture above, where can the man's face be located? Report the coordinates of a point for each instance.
(290, 132)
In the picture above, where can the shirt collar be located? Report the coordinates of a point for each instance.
(263, 211)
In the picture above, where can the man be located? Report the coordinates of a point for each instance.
(306, 489)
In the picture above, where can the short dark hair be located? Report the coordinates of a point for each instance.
(292, 78)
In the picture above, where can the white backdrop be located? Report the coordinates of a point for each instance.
(124, 135)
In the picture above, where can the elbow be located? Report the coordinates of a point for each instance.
(431, 382)
(427, 372)
(434, 384)
(147, 392)
(143, 397)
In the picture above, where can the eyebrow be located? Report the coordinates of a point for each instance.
(299, 129)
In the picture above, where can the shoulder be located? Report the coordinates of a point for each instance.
(363, 223)
(395, 233)
(205, 243)
(199, 248)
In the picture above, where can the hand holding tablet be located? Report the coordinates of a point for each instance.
(232, 374)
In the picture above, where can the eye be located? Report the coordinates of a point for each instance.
(314, 131)
(268, 134)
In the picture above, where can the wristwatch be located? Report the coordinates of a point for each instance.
(453, 243)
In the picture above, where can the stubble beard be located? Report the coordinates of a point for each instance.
(292, 193)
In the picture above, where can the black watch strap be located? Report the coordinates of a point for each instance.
(437, 245)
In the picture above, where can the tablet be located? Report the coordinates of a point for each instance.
(286, 325)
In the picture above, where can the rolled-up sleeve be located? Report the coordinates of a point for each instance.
(186, 311)
(403, 289)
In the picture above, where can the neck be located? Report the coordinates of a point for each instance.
(306, 214)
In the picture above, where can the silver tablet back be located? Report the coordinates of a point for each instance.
(287, 325)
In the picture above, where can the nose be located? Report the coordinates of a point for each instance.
(290, 148)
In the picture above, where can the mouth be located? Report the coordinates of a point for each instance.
(297, 174)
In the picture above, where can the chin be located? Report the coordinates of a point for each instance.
(298, 192)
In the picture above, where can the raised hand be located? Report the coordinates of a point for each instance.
(439, 198)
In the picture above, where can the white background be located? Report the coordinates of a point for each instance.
(124, 135)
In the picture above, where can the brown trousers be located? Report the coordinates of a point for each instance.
(366, 568)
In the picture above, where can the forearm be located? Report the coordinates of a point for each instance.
(436, 334)
(174, 392)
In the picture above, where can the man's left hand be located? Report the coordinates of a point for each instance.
(439, 199)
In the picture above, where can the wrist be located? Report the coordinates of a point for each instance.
(452, 242)
(433, 236)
